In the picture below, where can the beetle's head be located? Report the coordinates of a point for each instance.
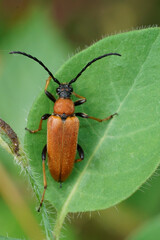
(64, 90)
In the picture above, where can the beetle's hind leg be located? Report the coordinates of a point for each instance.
(81, 153)
(44, 117)
(44, 152)
(84, 115)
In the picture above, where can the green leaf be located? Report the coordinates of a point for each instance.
(121, 154)
(151, 230)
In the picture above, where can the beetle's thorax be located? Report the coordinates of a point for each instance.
(64, 106)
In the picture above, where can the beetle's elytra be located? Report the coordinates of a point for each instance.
(62, 126)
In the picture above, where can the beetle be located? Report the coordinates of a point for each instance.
(62, 126)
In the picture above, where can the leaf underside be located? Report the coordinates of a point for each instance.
(120, 154)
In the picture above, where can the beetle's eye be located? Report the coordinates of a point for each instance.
(57, 90)
(71, 89)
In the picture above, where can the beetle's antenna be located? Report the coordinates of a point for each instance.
(88, 64)
(35, 59)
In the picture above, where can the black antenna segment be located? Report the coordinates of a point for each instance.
(88, 64)
(35, 59)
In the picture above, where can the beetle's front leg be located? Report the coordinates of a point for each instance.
(80, 101)
(49, 95)
(44, 117)
(81, 153)
(44, 152)
(83, 115)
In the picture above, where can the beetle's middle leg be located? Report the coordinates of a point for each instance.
(44, 117)
(84, 115)
(81, 153)
(44, 152)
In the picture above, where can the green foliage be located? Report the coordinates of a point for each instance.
(149, 231)
(22, 79)
(120, 155)
(8, 238)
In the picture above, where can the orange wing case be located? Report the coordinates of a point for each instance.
(61, 145)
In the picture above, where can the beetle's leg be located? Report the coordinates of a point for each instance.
(44, 117)
(78, 96)
(44, 175)
(80, 101)
(81, 153)
(83, 115)
(49, 95)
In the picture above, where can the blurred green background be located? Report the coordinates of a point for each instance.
(53, 31)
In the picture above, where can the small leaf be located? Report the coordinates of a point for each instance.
(150, 230)
(10, 142)
(121, 154)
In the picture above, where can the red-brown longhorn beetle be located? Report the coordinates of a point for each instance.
(62, 127)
